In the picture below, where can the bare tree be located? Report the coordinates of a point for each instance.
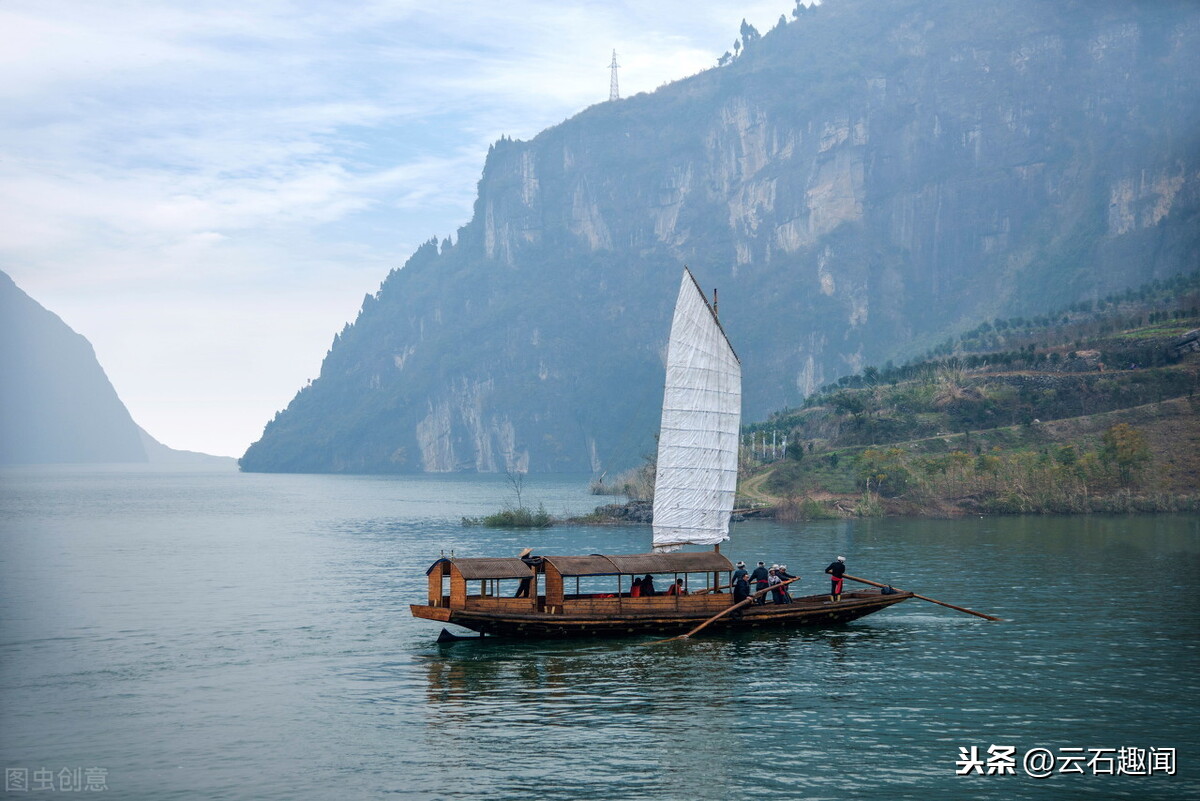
(516, 481)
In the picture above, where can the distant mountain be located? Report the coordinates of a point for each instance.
(860, 184)
(56, 403)
(159, 454)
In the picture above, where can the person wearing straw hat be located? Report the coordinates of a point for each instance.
(836, 571)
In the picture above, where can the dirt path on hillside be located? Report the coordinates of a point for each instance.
(751, 489)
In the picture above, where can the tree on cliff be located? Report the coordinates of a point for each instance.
(749, 33)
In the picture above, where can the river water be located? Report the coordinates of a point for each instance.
(212, 635)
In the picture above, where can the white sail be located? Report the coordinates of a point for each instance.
(698, 440)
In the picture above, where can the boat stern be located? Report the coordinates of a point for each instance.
(439, 613)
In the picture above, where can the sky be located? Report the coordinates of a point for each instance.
(206, 190)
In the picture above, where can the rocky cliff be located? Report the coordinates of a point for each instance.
(859, 183)
(56, 403)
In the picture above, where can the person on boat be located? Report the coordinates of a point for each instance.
(677, 588)
(760, 577)
(776, 585)
(648, 586)
(741, 583)
(836, 571)
(528, 558)
(785, 576)
(636, 590)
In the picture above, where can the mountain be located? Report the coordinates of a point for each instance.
(159, 454)
(56, 403)
(860, 184)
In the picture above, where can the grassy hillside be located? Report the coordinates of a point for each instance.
(1095, 408)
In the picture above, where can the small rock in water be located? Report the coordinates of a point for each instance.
(632, 512)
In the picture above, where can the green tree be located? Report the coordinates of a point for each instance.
(1067, 456)
(1125, 448)
(884, 470)
(848, 403)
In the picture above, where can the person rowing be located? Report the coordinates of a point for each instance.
(836, 571)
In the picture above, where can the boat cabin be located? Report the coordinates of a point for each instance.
(595, 585)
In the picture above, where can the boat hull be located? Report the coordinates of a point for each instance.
(806, 611)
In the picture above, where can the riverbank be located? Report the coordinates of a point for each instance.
(1096, 410)
(1145, 459)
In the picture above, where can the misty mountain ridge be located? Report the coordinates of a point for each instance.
(860, 184)
(57, 405)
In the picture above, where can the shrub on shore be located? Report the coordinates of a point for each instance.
(513, 517)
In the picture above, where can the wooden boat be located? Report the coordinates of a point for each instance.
(695, 483)
(480, 597)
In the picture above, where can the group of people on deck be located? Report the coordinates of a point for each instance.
(644, 588)
(775, 579)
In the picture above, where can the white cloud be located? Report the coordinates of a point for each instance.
(206, 190)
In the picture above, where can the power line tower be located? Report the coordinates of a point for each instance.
(613, 92)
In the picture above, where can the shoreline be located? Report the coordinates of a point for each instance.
(850, 507)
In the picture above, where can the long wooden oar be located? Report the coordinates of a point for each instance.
(748, 600)
(707, 590)
(924, 598)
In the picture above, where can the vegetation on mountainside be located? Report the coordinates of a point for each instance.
(1093, 409)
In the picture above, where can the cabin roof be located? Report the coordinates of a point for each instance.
(487, 568)
(639, 563)
(594, 565)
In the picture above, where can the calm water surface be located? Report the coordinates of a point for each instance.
(211, 635)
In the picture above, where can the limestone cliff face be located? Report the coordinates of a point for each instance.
(461, 432)
(859, 184)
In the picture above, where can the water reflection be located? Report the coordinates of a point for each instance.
(616, 673)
